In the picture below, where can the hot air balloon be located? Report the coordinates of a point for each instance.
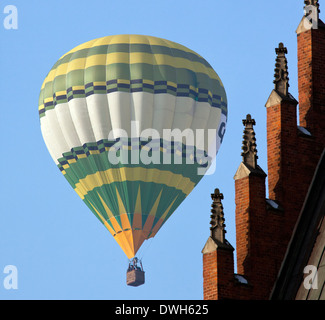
(94, 105)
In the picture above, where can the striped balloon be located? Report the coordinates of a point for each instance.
(114, 82)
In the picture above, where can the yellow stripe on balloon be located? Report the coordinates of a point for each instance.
(125, 241)
(154, 208)
(137, 215)
(123, 213)
(86, 45)
(129, 240)
(110, 215)
(131, 39)
(128, 58)
(138, 202)
(104, 221)
(161, 220)
(112, 175)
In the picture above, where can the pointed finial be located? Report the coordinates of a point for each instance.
(249, 153)
(281, 80)
(217, 217)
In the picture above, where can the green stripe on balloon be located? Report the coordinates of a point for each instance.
(131, 48)
(149, 194)
(132, 72)
(99, 162)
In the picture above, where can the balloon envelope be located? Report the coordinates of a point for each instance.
(104, 109)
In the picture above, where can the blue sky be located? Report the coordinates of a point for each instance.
(60, 249)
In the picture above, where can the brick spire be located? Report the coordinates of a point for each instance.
(281, 81)
(218, 259)
(217, 217)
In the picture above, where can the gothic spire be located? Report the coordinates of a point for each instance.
(217, 217)
(281, 80)
(249, 153)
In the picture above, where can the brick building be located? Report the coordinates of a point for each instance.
(279, 235)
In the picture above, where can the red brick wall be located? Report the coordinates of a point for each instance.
(210, 276)
(257, 231)
(218, 274)
(250, 207)
(262, 234)
(242, 223)
(311, 85)
(281, 148)
(311, 79)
